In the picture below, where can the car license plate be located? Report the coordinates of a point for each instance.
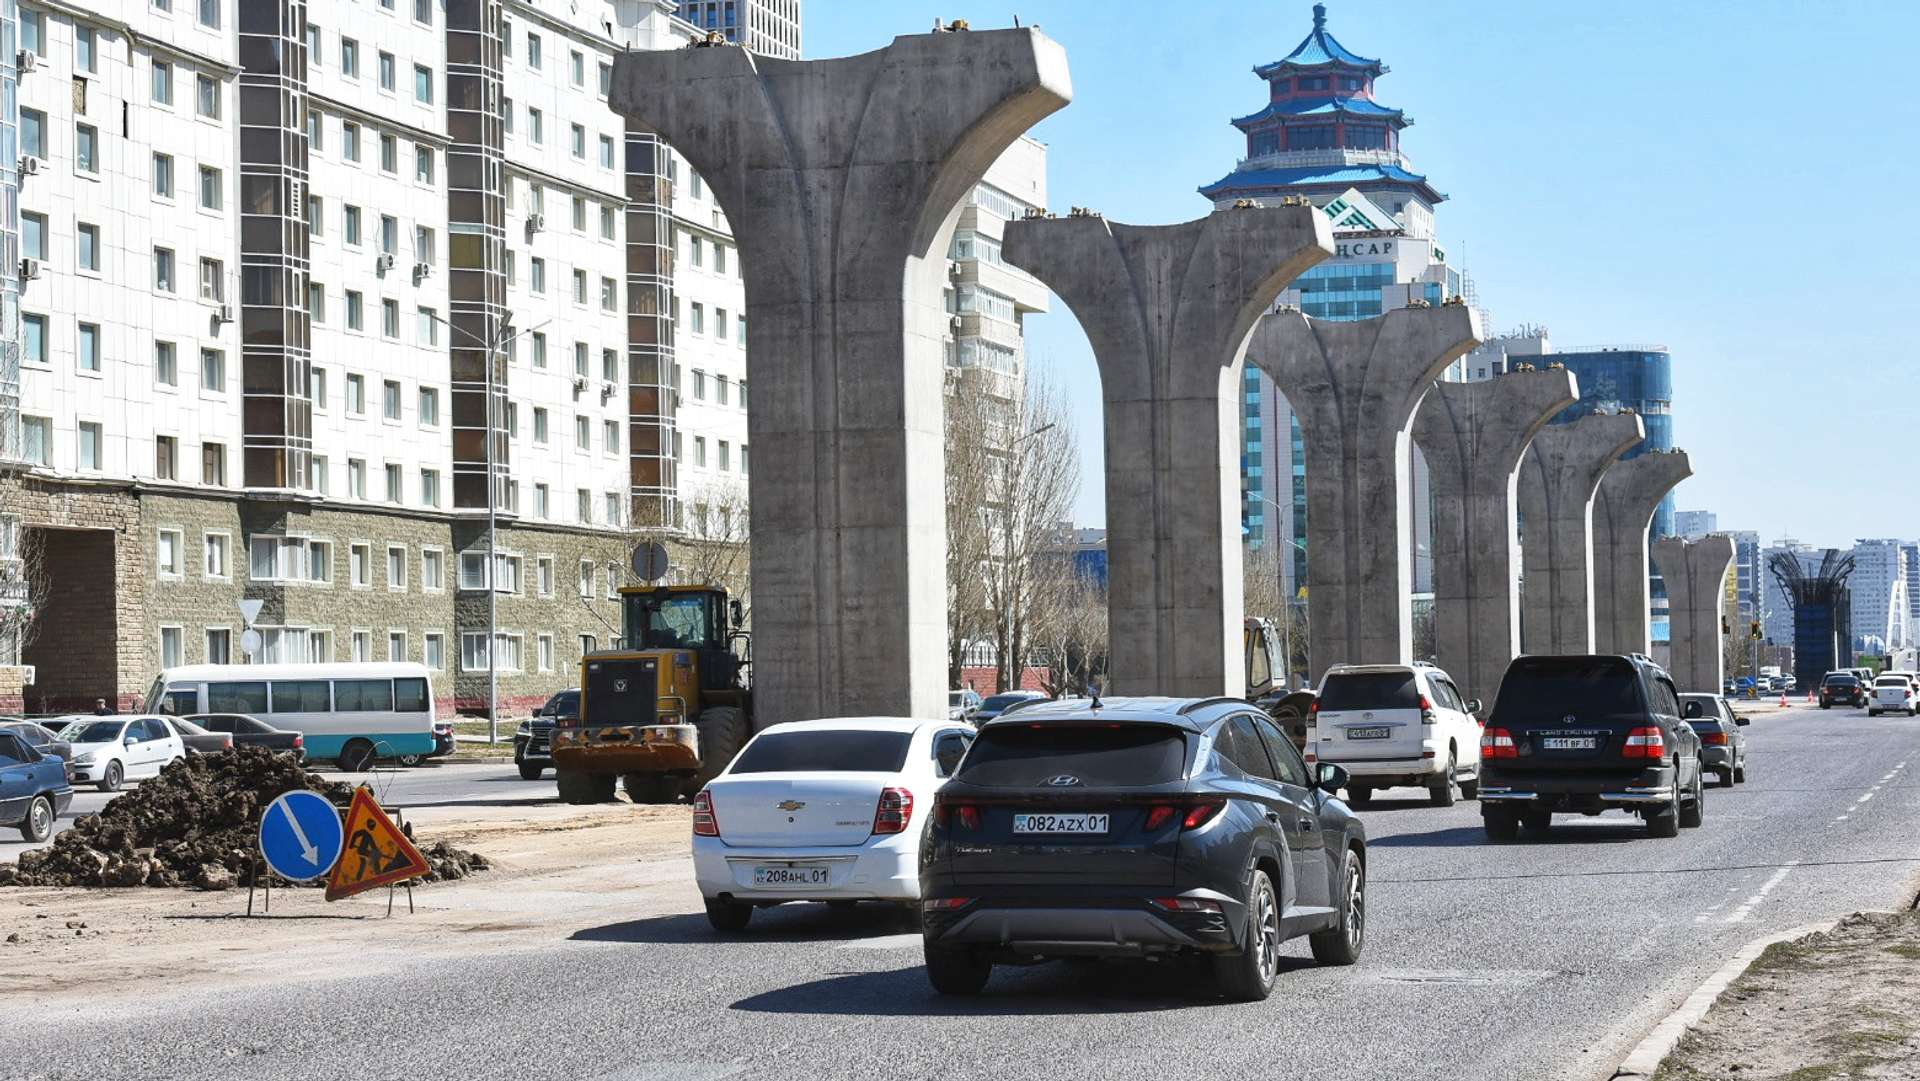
(1367, 733)
(1567, 743)
(1082, 823)
(789, 876)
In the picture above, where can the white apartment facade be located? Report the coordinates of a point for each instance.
(280, 281)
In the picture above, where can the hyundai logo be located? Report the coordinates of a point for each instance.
(1063, 780)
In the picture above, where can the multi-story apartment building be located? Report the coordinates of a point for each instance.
(1880, 588)
(312, 293)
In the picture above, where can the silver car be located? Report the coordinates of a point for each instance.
(1723, 747)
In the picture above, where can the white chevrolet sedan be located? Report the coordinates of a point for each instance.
(827, 810)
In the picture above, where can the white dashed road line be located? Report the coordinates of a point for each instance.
(1891, 774)
(1746, 909)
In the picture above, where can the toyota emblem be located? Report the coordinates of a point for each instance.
(1568, 719)
(1063, 780)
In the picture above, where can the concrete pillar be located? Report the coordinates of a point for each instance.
(1168, 310)
(1558, 475)
(840, 178)
(1623, 507)
(1696, 577)
(1472, 435)
(1355, 387)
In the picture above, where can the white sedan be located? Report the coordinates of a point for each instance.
(828, 810)
(110, 750)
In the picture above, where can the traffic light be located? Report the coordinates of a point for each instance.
(1753, 630)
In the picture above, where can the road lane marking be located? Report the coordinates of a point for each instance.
(1740, 914)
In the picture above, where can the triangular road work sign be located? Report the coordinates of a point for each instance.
(376, 854)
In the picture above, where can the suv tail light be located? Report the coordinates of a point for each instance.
(1645, 743)
(894, 811)
(966, 814)
(1197, 813)
(1426, 711)
(704, 822)
(1498, 743)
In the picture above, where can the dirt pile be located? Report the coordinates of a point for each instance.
(194, 825)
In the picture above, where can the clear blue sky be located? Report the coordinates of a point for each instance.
(1736, 181)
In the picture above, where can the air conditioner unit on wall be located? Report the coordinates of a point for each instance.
(384, 262)
(579, 382)
(226, 313)
(29, 269)
(536, 222)
(607, 390)
(421, 270)
(26, 60)
(29, 165)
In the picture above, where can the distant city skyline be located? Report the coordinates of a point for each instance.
(1615, 174)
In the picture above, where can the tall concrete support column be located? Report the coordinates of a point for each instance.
(1355, 387)
(1623, 508)
(1558, 476)
(840, 177)
(1473, 435)
(1168, 310)
(1696, 577)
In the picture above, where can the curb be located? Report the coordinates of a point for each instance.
(1644, 1060)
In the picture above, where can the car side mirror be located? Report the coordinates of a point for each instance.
(1473, 705)
(130, 741)
(1742, 721)
(1331, 778)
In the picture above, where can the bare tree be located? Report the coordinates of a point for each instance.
(1013, 473)
(1263, 586)
(1069, 625)
(23, 587)
(714, 547)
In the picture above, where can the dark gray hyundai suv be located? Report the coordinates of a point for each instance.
(1587, 733)
(1139, 827)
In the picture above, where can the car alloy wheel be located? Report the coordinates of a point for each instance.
(1248, 975)
(1341, 943)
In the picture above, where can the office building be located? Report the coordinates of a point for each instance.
(1324, 136)
(1693, 525)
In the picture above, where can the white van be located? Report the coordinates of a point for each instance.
(347, 711)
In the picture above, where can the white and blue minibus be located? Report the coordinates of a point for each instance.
(353, 712)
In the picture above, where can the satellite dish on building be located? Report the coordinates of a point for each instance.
(650, 561)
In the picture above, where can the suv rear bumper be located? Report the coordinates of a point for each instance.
(1387, 772)
(1089, 926)
(1579, 792)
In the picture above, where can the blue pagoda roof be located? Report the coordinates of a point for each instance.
(1319, 106)
(1344, 175)
(1319, 50)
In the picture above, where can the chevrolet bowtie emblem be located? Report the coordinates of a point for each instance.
(790, 805)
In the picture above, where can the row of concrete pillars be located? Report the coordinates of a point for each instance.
(842, 177)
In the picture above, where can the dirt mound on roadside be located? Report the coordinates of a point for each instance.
(194, 825)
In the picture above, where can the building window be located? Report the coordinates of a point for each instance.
(360, 647)
(539, 347)
(697, 321)
(606, 79)
(429, 322)
(213, 464)
(700, 451)
(533, 51)
(546, 652)
(396, 567)
(359, 565)
(215, 555)
(86, 148)
(162, 83)
(610, 436)
(430, 487)
(582, 437)
(162, 268)
(349, 58)
(219, 645)
(356, 310)
(583, 504)
(578, 141)
(210, 13)
(539, 424)
(36, 440)
(606, 223)
(213, 280)
(356, 478)
(474, 657)
(609, 295)
(542, 501)
(579, 287)
(166, 364)
(33, 31)
(172, 647)
(429, 405)
(537, 280)
(699, 385)
(536, 125)
(166, 458)
(316, 302)
(396, 645)
(316, 130)
(725, 460)
(388, 70)
(33, 343)
(206, 96)
(433, 570)
(167, 556)
(389, 154)
(91, 449)
(350, 140)
(213, 369)
(87, 351)
(395, 492)
(423, 164)
(86, 49)
(433, 646)
(720, 389)
(390, 318)
(209, 188)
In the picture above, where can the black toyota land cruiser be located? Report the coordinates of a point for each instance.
(1584, 734)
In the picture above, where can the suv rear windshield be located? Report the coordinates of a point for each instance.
(1369, 690)
(836, 751)
(1022, 755)
(1590, 688)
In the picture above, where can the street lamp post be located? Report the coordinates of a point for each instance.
(495, 348)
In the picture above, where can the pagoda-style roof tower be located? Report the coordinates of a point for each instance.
(1322, 132)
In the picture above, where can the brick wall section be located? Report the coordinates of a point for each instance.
(89, 641)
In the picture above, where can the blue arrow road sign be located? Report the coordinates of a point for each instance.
(301, 836)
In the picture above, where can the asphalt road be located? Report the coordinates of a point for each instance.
(1543, 959)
